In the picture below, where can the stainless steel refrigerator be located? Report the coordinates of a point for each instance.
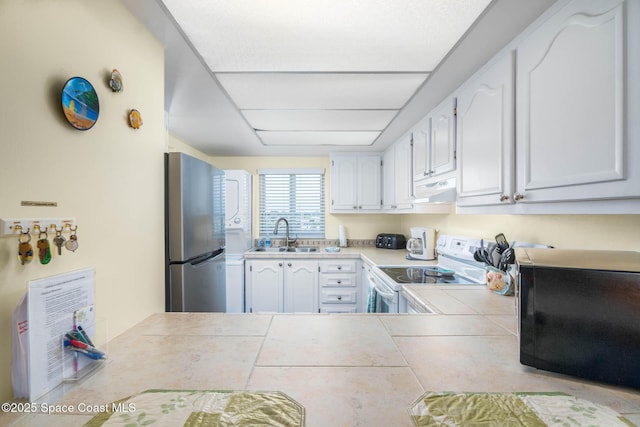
(195, 235)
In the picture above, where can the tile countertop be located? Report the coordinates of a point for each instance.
(345, 369)
(368, 254)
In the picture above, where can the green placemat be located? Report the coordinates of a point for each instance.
(202, 408)
(511, 409)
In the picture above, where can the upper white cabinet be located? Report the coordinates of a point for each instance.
(572, 101)
(485, 136)
(355, 183)
(397, 176)
(434, 143)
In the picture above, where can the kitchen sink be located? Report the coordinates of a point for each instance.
(307, 249)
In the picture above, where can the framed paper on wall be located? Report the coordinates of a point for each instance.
(80, 103)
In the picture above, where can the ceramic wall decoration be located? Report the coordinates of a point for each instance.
(135, 119)
(116, 81)
(80, 103)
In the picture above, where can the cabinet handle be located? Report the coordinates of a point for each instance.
(339, 282)
(518, 196)
(355, 207)
(289, 264)
(360, 207)
(504, 197)
(339, 298)
(339, 267)
(279, 264)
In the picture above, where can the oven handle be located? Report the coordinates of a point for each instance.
(374, 282)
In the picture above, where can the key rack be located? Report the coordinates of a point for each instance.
(15, 226)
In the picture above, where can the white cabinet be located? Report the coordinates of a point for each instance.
(575, 82)
(265, 286)
(282, 286)
(355, 183)
(397, 176)
(434, 143)
(300, 286)
(485, 136)
(339, 290)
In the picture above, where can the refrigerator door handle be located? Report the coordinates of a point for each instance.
(213, 256)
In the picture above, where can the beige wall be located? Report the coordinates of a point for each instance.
(110, 178)
(607, 232)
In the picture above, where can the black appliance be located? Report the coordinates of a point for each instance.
(579, 313)
(391, 241)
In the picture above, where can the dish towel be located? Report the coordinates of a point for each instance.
(372, 304)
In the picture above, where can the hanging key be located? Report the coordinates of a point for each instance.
(59, 241)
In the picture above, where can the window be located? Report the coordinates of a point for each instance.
(295, 194)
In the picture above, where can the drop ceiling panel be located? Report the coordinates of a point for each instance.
(317, 138)
(320, 120)
(327, 35)
(281, 91)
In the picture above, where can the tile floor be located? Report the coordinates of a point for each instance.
(346, 370)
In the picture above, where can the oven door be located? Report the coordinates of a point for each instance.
(382, 299)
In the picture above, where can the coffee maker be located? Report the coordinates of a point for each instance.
(422, 244)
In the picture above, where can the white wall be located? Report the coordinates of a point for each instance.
(110, 178)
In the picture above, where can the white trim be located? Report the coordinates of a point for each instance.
(292, 171)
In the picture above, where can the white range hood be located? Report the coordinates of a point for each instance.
(436, 191)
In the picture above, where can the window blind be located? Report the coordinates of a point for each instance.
(298, 196)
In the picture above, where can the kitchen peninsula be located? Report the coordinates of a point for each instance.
(347, 370)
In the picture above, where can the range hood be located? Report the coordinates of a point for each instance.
(436, 191)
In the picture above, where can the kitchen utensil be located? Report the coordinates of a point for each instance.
(502, 242)
(508, 257)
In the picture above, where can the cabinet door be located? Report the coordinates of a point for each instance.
(369, 181)
(571, 106)
(403, 175)
(442, 142)
(301, 286)
(264, 286)
(420, 135)
(389, 179)
(485, 138)
(344, 178)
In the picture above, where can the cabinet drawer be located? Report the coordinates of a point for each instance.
(338, 309)
(338, 280)
(338, 266)
(337, 296)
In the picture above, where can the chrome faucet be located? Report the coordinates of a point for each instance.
(286, 239)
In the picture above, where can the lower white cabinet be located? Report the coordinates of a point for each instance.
(300, 286)
(281, 286)
(339, 286)
(264, 281)
(296, 285)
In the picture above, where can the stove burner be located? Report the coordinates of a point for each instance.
(423, 275)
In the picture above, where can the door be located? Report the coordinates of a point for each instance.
(443, 142)
(344, 176)
(369, 181)
(301, 286)
(571, 106)
(485, 137)
(190, 206)
(264, 286)
(200, 285)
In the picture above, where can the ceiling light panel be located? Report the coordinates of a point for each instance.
(324, 35)
(320, 120)
(318, 138)
(281, 91)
